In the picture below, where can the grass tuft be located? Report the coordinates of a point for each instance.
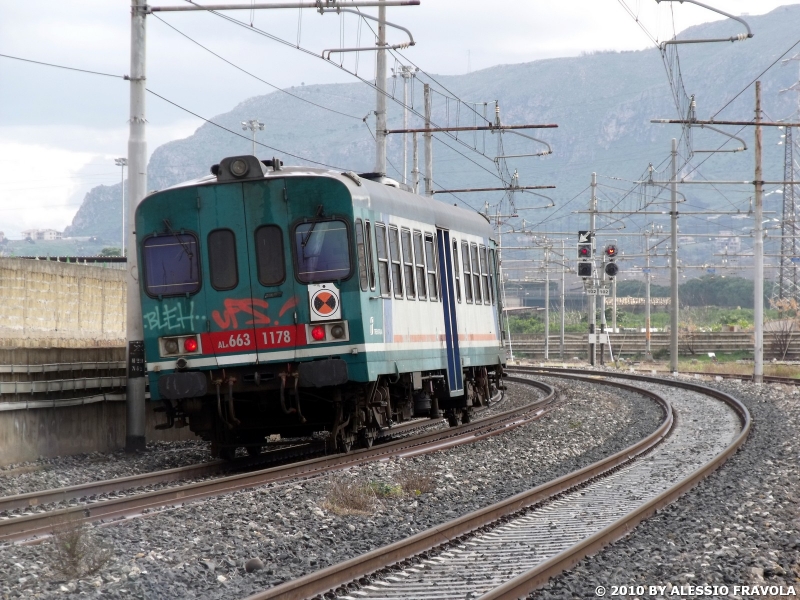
(415, 482)
(348, 497)
(76, 551)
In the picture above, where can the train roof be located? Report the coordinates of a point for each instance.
(373, 195)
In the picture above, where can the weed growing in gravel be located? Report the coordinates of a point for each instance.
(417, 481)
(76, 552)
(348, 497)
(386, 490)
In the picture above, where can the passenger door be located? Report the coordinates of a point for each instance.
(271, 278)
(455, 375)
(232, 314)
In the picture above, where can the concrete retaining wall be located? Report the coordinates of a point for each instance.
(26, 435)
(49, 304)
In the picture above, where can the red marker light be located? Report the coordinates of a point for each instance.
(318, 333)
(190, 344)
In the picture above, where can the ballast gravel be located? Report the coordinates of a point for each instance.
(739, 528)
(63, 471)
(206, 550)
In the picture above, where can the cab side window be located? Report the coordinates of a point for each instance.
(467, 272)
(432, 267)
(383, 260)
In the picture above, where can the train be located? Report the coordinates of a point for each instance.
(290, 301)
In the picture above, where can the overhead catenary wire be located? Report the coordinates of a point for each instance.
(236, 133)
(253, 75)
(359, 77)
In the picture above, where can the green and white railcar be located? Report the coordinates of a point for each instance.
(295, 300)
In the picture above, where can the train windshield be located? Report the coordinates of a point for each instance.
(171, 265)
(322, 249)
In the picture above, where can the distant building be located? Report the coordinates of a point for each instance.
(730, 243)
(42, 234)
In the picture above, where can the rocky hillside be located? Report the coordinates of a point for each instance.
(602, 102)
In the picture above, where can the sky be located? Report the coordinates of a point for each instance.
(61, 130)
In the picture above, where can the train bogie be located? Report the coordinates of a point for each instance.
(299, 301)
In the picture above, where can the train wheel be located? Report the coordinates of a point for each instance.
(466, 416)
(253, 450)
(453, 419)
(344, 443)
(366, 437)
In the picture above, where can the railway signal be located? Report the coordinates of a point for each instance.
(611, 268)
(585, 243)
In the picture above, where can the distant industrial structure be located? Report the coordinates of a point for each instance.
(41, 234)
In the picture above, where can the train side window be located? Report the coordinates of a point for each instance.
(270, 263)
(433, 268)
(419, 265)
(492, 278)
(456, 270)
(408, 264)
(476, 274)
(397, 268)
(222, 259)
(487, 294)
(383, 260)
(322, 249)
(171, 265)
(370, 265)
(362, 255)
(467, 272)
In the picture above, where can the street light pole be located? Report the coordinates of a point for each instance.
(122, 162)
(253, 125)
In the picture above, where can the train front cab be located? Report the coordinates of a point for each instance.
(243, 284)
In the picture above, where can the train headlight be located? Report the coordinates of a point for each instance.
(318, 333)
(239, 168)
(337, 331)
(190, 344)
(171, 346)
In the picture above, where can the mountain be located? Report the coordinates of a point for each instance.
(602, 102)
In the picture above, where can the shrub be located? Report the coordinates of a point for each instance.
(417, 481)
(348, 497)
(76, 552)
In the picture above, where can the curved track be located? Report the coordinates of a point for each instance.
(31, 527)
(508, 549)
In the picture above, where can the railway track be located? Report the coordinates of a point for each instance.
(94, 491)
(34, 527)
(508, 549)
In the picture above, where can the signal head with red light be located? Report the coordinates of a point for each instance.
(611, 251)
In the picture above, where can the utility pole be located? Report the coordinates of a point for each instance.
(546, 303)
(603, 314)
(758, 254)
(406, 73)
(380, 94)
(137, 182)
(122, 162)
(648, 354)
(415, 160)
(563, 293)
(673, 271)
(503, 287)
(428, 137)
(592, 297)
(614, 309)
(253, 125)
